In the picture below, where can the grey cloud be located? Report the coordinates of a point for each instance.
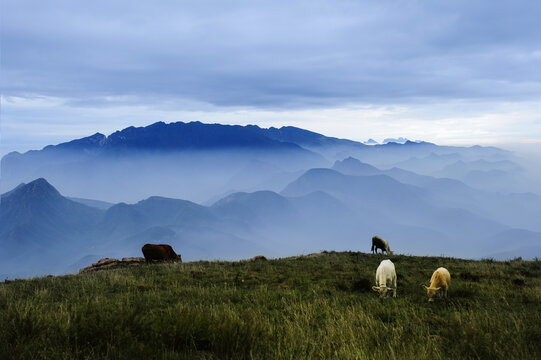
(285, 54)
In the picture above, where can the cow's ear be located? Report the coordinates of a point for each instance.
(375, 288)
(438, 288)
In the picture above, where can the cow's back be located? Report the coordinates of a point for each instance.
(159, 252)
(378, 242)
(152, 252)
(440, 278)
(385, 272)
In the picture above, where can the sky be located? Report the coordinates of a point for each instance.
(449, 72)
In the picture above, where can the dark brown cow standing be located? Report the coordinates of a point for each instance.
(379, 243)
(160, 252)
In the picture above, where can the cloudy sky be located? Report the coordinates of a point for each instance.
(450, 72)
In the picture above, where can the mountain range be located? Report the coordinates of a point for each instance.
(198, 162)
(250, 191)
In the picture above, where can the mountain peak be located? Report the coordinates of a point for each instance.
(353, 166)
(192, 136)
(38, 188)
(87, 143)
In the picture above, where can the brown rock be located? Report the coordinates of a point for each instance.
(108, 265)
(88, 268)
(105, 261)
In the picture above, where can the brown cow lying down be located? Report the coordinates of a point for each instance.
(160, 252)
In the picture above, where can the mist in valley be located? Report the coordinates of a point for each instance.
(66, 206)
(199, 176)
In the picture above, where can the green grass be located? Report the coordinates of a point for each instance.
(294, 308)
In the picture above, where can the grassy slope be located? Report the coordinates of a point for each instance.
(308, 307)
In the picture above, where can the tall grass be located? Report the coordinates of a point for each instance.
(294, 308)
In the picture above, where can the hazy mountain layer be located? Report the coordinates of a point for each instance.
(517, 210)
(43, 232)
(248, 190)
(197, 162)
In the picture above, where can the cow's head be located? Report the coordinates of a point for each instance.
(431, 292)
(383, 290)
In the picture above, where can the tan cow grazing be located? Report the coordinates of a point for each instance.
(439, 283)
(160, 252)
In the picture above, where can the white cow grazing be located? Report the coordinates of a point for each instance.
(385, 278)
(439, 283)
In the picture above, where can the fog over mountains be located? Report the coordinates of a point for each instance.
(230, 192)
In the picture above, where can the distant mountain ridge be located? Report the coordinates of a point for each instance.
(175, 136)
(307, 138)
(160, 136)
(180, 136)
(195, 161)
(101, 164)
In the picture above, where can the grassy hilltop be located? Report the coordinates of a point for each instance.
(314, 307)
